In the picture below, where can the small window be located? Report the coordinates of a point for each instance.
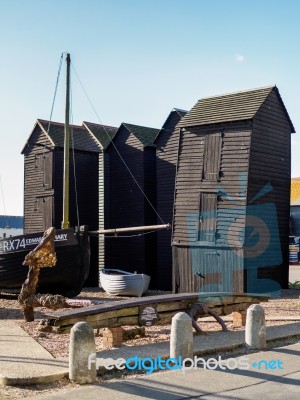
(212, 156)
(207, 217)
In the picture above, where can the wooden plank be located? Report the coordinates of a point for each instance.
(117, 305)
(125, 313)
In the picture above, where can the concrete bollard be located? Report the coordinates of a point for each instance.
(181, 342)
(255, 331)
(82, 344)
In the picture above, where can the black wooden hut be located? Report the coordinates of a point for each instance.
(132, 153)
(43, 181)
(103, 135)
(231, 212)
(166, 159)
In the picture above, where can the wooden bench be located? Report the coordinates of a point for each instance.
(150, 310)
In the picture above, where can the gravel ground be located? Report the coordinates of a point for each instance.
(288, 305)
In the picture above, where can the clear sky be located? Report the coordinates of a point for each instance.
(138, 59)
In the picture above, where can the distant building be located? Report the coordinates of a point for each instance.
(295, 207)
(10, 225)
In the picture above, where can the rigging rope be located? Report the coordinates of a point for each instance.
(115, 147)
(73, 157)
(4, 208)
(42, 166)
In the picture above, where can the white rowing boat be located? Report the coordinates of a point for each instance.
(122, 283)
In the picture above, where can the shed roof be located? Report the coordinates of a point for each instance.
(144, 134)
(80, 136)
(238, 106)
(181, 113)
(11, 221)
(104, 134)
(295, 192)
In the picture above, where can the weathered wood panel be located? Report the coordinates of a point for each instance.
(167, 152)
(222, 268)
(127, 312)
(126, 203)
(230, 186)
(270, 169)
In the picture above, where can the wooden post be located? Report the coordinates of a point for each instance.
(115, 231)
(65, 222)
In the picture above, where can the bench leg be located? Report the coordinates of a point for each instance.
(239, 318)
(113, 337)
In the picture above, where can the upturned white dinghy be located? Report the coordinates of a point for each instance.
(122, 283)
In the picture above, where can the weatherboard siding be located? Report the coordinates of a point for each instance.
(218, 236)
(150, 217)
(126, 203)
(167, 151)
(34, 178)
(270, 163)
(101, 211)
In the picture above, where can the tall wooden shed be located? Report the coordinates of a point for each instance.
(132, 150)
(231, 212)
(43, 181)
(102, 135)
(166, 159)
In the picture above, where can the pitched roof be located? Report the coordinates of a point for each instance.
(230, 107)
(181, 113)
(169, 126)
(11, 221)
(144, 134)
(103, 134)
(295, 192)
(80, 138)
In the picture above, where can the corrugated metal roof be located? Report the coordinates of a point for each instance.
(295, 192)
(11, 221)
(102, 133)
(79, 134)
(229, 107)
(144, 134)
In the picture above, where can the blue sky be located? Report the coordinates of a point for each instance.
(138, 60)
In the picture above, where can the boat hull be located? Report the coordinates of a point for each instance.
(66, 277)
(122, 283)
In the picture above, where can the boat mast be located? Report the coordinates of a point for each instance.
(65, 223)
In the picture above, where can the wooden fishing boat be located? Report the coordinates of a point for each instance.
(122, 283)
(71, 245)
